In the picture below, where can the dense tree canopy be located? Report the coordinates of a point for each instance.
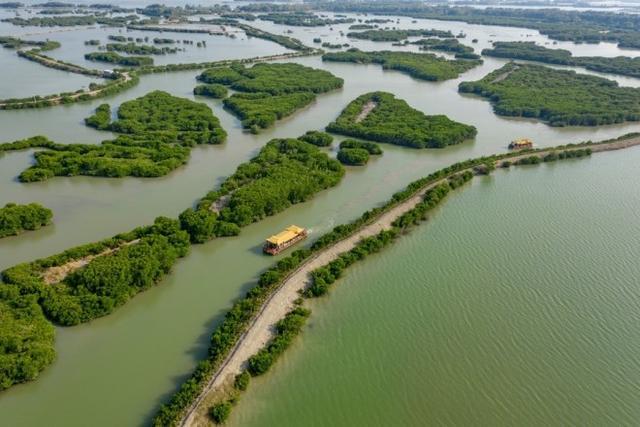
(397, 35)
(14, 219)
(114, 58)
(317, 138)
(424, 66)
(261, 110)
(562, 98)
(157, 131)
(271, 91)
(454, 46)
(211, 90)
(393, 121)
(353, 156)
(622, 65)
(371, 147)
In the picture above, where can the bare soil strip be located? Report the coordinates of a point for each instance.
(57, 274)
(368, 108)
(503, 76)
(261, 329)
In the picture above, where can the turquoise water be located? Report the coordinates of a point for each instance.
(515, 304)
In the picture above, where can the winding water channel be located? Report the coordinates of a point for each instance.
(118, 369)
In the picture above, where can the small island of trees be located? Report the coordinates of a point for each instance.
(156, 131)
(424, 66)
(379, 116)
(14, 218)
(559, 97)
(270, 91)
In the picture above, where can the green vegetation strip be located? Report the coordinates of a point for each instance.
(529, 51)
(559, 97)
(397, 35)
(379, 116)
(240, 316)
(423, 66)
(14, 219)
(114, 58)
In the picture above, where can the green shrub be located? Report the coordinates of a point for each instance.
(220, 412)
(353, 156)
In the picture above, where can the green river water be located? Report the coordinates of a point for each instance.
(493, 311)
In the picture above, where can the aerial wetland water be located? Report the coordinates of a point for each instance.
(459, 310)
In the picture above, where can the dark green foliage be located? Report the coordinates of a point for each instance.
(200, 224)
(448, 45)
(14, 219)
(424, 66)
(317, 138)
(288, 42)
(285, 172)
(242, 381)
(139, 49)
(220, 412)
(302, 19)
(622, 65)
(101, 119)
(114, 58)
(561, 98)
(371, 147)
(108, 280)
(286, 331)
(92, 42)
(394, 121)
(362, 27)
(278, 79)
(220, 75)
(261, 110)
(157, 132)
(353, 156)
(26, 338)
(273, 91)
(16, 43)
(530, 160)
(397, 35)
(211, 90)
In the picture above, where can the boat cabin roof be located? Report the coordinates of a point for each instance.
(284, 236)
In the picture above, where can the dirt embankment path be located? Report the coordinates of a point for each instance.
(503, 76)
(57, 274)
(260, 331)
(366, 110)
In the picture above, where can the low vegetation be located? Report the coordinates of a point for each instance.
(302, 19)
(114, 58)
(621, 65)
(453, 46)
(423, 66)
(353, 156)
(379, 35)
(271, 91)
(317, 138)
(393, 121)
(211, 90)
(14, 218)
(561, 98)
(139, 49)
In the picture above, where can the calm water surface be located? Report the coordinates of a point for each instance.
(116, 370)
(516, 304)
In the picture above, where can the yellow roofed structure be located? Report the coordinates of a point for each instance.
(286, 235)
